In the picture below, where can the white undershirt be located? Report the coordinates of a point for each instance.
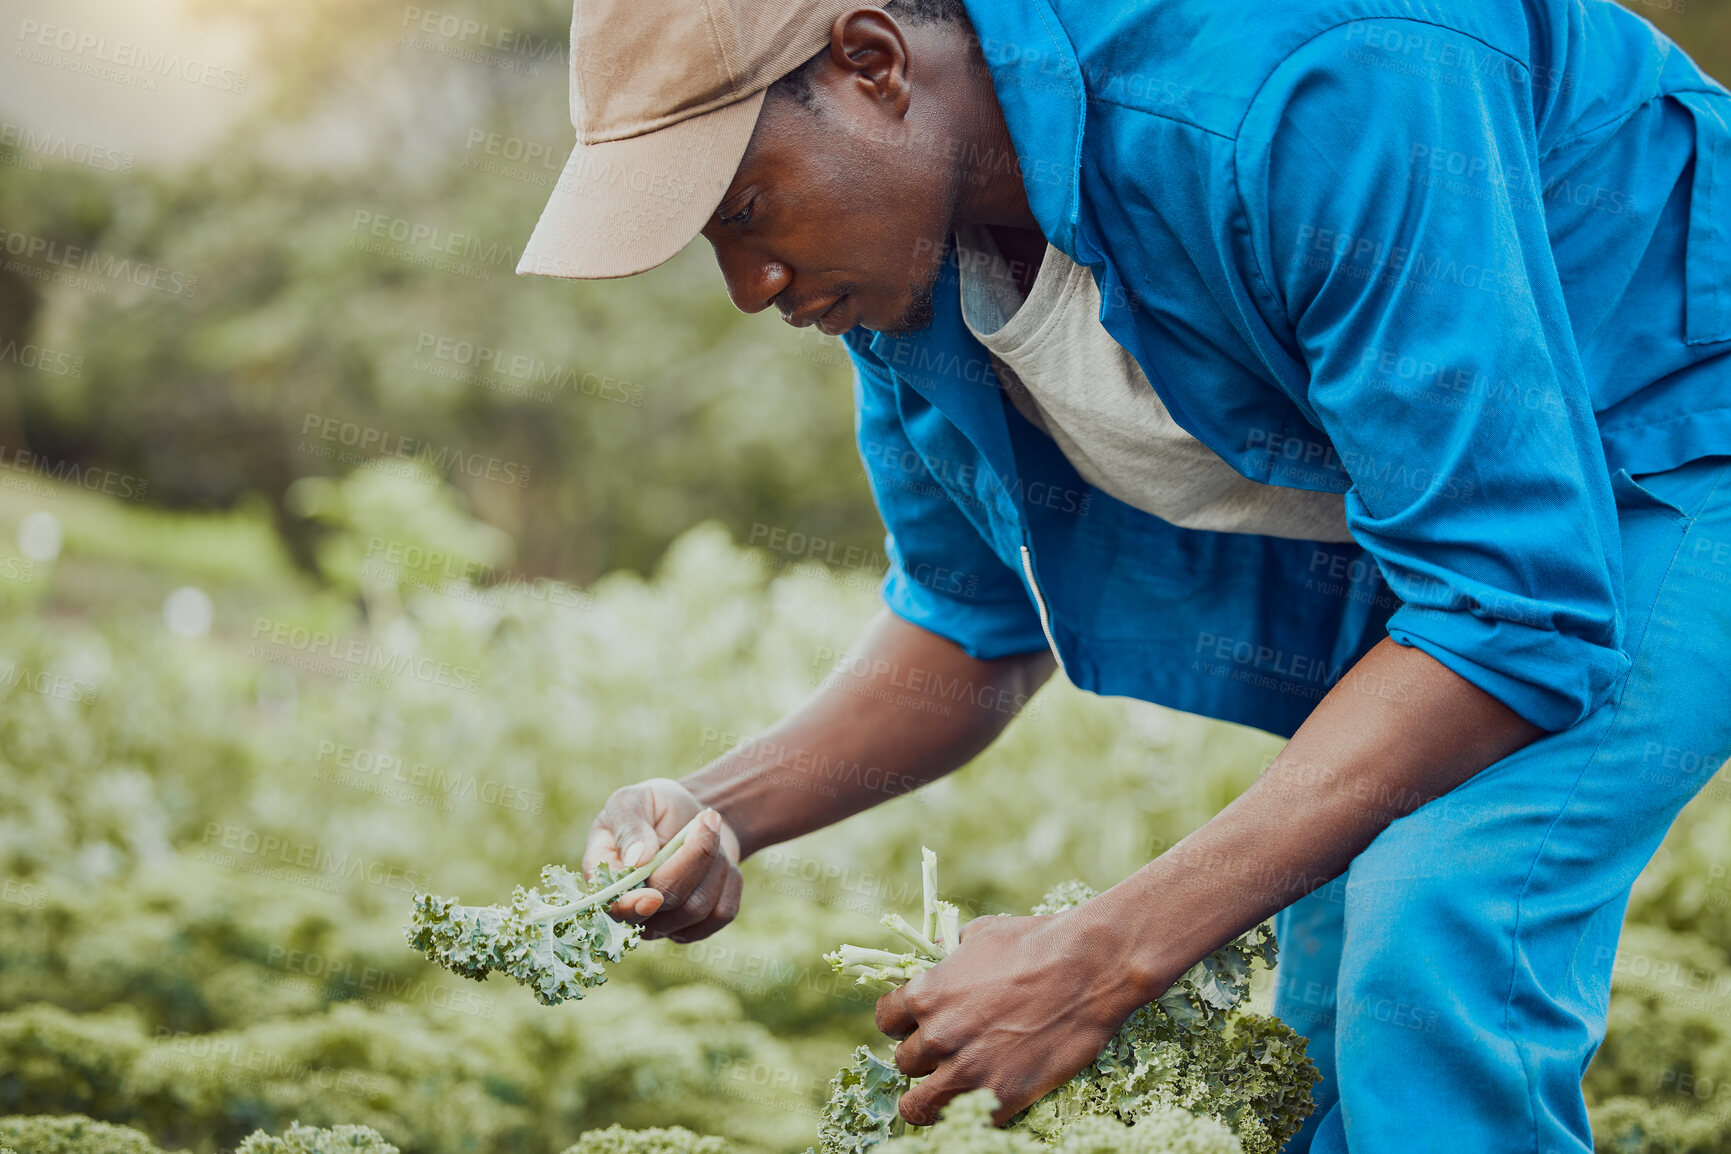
(1066, 374)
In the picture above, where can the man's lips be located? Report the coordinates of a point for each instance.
(836, 320)
(821, 315)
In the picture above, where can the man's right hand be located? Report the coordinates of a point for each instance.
(696, 891)
(783, 784)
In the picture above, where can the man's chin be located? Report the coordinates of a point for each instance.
(917, 316)
(919, 312)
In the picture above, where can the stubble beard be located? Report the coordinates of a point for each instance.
(921, 310)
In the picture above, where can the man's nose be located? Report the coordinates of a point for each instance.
(753, 282)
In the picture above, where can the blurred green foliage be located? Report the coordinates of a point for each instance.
(300, 305)
(298, 299)
(208, 844)
(72, 1134)
(77, 1134)
(210, 850)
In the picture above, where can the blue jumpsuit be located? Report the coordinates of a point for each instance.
(1468, 263)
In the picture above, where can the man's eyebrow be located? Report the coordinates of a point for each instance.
(734, 194)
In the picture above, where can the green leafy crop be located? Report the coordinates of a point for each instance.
(966, 1128)
(1192, 1051)
(861, 1111)
(150, 976)
(76, 1134)
(553, 940)
(70, 1134)
(658, 1140)
(299, 1139)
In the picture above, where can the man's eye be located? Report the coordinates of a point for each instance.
(743, 216)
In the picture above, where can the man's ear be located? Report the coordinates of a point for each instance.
(868, 49)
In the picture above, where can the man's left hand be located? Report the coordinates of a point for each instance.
(1020, 1007)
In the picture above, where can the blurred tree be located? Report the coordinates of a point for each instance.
(336, 282)
(306, 314)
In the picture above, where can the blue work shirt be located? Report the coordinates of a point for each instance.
(1461, 262)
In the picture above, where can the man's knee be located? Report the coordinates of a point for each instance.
(1419, 944)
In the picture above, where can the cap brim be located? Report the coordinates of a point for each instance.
(625, 206)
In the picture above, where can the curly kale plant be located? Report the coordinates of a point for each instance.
(553, 939)
(70, 1134)
(76, 1134)
(966, 1128)
(1193, 1050)
(861, 1111)
(659, 1140)
(299, 1139)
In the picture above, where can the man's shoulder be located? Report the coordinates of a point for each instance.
(1200, 64)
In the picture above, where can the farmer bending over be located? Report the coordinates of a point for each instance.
(1359, 372)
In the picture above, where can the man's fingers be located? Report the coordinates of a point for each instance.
(623, 836)
(893, 1016)
(726, 909)
(637, 906)
(600, 848)
(682, 873)
(982, 924)
(697, 904)
(925, 1101)
(636, 838)
(915, 1058)
(1013, 1102)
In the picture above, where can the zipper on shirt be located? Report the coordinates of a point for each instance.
(1040, 604)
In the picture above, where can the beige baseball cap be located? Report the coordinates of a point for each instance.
(664, 97)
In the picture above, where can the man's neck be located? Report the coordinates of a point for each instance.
(992, 193)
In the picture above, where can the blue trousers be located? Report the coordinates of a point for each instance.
(1454, 981)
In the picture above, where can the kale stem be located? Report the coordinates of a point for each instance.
(913, 937)
(629, 882)
(929, 883)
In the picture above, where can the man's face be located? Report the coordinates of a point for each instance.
(839, 214)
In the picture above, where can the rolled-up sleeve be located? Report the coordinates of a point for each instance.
(1387, 171)
(942, 575)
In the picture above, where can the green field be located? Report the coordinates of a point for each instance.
(211, 841)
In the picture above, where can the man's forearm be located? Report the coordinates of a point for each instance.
(904, 708)
(1399, 730)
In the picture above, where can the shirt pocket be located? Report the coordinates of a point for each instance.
(1707, 267)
